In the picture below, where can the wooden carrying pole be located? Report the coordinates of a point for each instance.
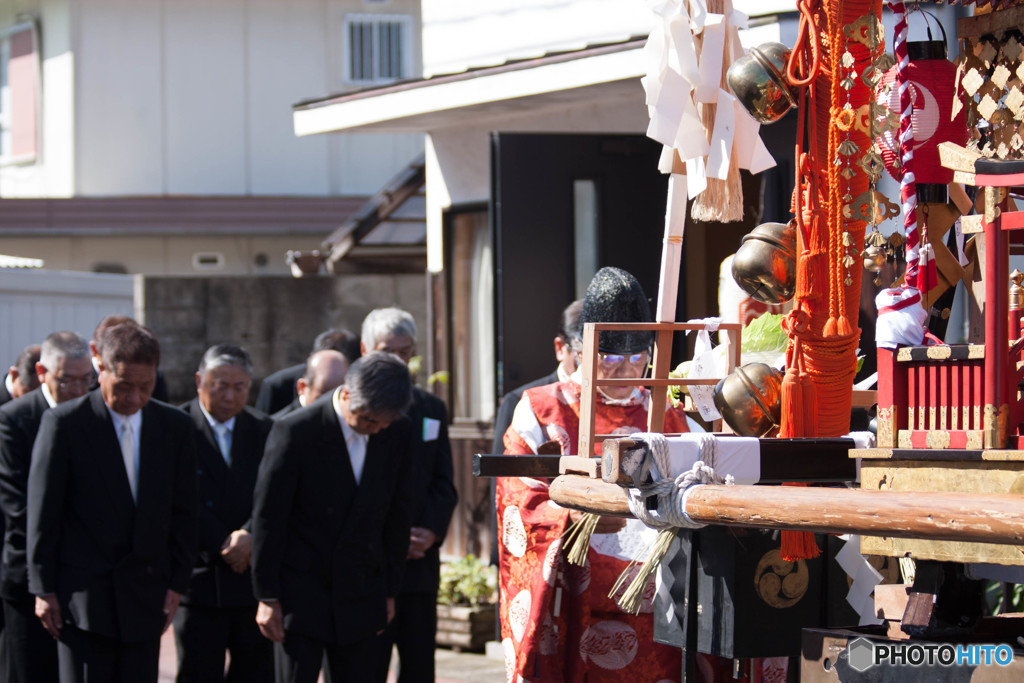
(895, 514)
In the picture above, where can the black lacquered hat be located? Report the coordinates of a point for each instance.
(615, 296)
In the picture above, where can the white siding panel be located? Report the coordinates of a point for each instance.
(35, 303)
(205, 96)
(118, 99)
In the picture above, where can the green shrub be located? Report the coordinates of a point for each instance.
(469, 581)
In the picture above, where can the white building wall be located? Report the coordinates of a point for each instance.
(119, 114)
(157, 97)
(162, 255)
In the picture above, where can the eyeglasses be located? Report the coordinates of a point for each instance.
(68, 382)
(614, 360)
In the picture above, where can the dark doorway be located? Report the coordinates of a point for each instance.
(565, 206)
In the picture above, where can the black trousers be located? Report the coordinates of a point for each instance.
(298, 660)
(86, 657)
(413, 631)
(30, 654)
(204, 634)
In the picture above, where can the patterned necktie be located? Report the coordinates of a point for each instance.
(224, 441)
(128, 454)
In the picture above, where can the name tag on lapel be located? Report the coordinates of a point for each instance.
(431, 428)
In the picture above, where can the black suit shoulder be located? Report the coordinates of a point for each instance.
(277, 389)
(508, 408)
(19, 424)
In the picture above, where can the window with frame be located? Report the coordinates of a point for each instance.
(378, 48)
(19, 93)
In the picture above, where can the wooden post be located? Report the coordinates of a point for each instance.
(661, 367)
(588, 396)
(897, 514)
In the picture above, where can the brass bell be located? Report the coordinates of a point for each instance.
(758, 79)
(874, 259)
(765, 264)
(750, 399)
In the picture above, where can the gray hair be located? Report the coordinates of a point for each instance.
(62, 345)
(379, 382)
(220, 355)
(381, 322)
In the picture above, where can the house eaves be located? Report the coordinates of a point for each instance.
(174, 216)
(566, 79)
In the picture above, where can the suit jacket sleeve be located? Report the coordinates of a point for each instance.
(14, 463)
(441, 496)
(47, 488)
(184, 512)
(264, 397)
(262, 430)
(275, 489)
(399, 515)
(502, 421)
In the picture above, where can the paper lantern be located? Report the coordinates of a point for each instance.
(932, 80)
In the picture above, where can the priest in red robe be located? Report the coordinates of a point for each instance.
(557, 621)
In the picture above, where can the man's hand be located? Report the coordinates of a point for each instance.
(237, 550)
(421, 540)
(270, 619)
(48, 611)
(171, 606)
(605, 525)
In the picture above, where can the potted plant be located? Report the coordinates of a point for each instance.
(466, 609)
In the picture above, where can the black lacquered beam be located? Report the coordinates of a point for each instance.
(782, 460)
(515, 465)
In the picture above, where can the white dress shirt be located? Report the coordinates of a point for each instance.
(135, 421)
(355, 442)
(50, 400)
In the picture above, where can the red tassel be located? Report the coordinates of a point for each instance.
(810, 400)
(798, 545)
(831, 328)
(844, 327)
(792, 411)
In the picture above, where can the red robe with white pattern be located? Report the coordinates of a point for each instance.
(557, 621)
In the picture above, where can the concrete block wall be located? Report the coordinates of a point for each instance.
(274, 318)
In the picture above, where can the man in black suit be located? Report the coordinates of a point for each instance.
(325, 371)
(218, 613)
(414, 628)
(21, 377)
(567, 363)
(112, 510)
(331, 524)
(277, 390)
(65, 373)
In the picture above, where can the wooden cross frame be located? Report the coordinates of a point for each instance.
(659, 377)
